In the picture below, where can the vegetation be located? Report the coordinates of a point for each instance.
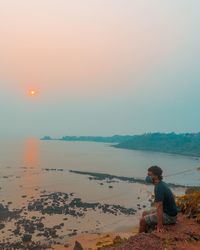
(185, 144)
(110, 139)
(189, 203)
(117, 241)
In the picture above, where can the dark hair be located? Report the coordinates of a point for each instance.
(156, 171)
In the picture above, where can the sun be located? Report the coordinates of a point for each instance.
(32, 92)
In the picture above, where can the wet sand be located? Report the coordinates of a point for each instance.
(59, 207)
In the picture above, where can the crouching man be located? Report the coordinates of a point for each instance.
(165, 211)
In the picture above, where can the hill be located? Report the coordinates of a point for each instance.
(184, 235)
(184, 144)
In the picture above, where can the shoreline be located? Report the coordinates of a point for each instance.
(112, 178)
(185, 144)
(115, 145)
(196, 157)
(53, 205)
(93, 241)
(45, 218)
(69, 207)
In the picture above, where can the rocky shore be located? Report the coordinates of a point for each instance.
(114, 178)
(184, 235)
(32, 232)
(41, 218)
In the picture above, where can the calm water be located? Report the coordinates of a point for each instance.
(23, 179)
(94, 157)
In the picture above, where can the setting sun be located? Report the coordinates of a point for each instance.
(32, 92)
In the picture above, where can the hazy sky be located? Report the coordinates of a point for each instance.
(100, 67)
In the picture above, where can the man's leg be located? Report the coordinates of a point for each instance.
(143, 222)
(143, 225)
(147, 212)
(150, 219)
(167, 219)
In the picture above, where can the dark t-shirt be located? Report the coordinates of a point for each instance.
(163, 193)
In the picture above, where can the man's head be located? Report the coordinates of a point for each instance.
(155, 173)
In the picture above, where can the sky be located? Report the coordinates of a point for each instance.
(99, 67)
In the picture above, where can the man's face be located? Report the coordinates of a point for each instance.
(152, 175)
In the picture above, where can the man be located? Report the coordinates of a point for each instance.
(166, 210)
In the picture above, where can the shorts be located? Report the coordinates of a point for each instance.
(151, 218)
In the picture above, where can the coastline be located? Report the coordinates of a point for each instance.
(54, 205)
(121, 234)
(116, 145)
(195, 156)
(86, 221)
(93, 241)
(179, 144)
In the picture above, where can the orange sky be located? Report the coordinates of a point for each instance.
(125, 62)
(80, 46)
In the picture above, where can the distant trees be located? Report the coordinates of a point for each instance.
(186, 144)
(46, 137)
(111, 139)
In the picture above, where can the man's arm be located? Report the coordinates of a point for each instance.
(159, 206)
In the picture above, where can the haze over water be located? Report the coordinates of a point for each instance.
(37, 155)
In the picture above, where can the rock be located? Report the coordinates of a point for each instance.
(40, 226)
(5, 213)
(17, 231)
(57, 227)
(117, 240)
(26, 237)
(2, 226)
(78, 246)
(72, 234)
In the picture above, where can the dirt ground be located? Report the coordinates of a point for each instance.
(185, 235)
